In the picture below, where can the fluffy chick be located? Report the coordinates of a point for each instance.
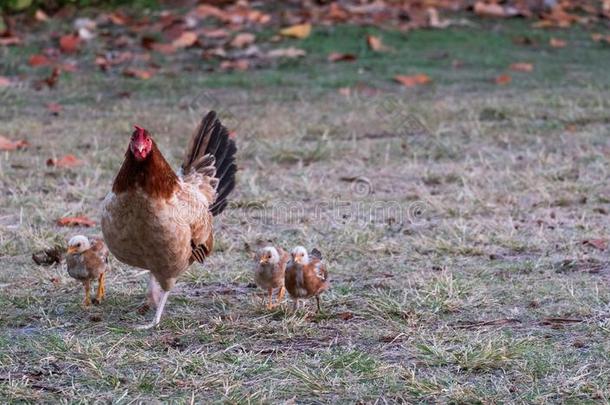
(306, 275)
(270, 270)
(87, 260)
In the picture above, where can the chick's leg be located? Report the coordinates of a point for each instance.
(101, 289)
(87, 285)
(270, 303)
(318, 302)
(280, 296)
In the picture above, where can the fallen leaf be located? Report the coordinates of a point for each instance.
(65, 161)
(38, 60)
(341, 57)
(239, 64)
(165, 49)
(75, 221)
(522, 67)
(54, 108)
(10, 40)
(434, 19)
(345, 91)
(494, 10)
(599, 244)
(143, 74)
(346, 316)
(286, 53)
(600, 38)
(299, 31)
(41, 15)
(4, 81)
(48, 256)
(503, 79)
(557, 43)
(69, 43)
(186, 39)
(413, 80)
(242, 40)
(375, 44)
(51, 81)
(7, 144)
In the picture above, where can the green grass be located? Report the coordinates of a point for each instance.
(452, 217)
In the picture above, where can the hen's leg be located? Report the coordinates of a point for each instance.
(158, 313)
(152, 295)
(87, 285)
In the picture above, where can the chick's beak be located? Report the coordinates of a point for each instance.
(263, 260)
(71, 250)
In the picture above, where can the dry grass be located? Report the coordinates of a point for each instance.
(429, 234)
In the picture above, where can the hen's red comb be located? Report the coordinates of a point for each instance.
(139, 129)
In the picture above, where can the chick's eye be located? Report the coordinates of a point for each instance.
(78, 245)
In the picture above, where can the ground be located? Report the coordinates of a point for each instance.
(460, 222)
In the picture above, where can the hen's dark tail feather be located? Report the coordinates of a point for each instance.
(212, 153)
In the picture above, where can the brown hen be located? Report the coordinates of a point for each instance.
(161, 221)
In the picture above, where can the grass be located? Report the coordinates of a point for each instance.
(452, 217)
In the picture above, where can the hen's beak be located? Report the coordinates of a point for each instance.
(71, 250)
(140, 147)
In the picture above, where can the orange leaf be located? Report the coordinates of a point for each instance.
(39, 60)
(503, 79)
(7, 144)
(341, 57)
(375, 44)
(557, 43)
(186, 39)
(69, 43)
(413, 80)
(138, 73)
(75, 221)
(66, 161)
(599, 244)
(522, 67)
(239, 64)
(242, 40)
(299, 31)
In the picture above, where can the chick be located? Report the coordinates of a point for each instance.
(87, 260)
(269, 272)
(306, 275)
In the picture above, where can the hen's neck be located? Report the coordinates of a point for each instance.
(153, 175)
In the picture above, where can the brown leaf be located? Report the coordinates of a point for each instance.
(299, 31)
(503, 79)
(75, 221)
(242, 40)
(143, 74)
(51, 81)
(341, 57)
(557, 43)
(165, 49)
(7, 144)
(346, 316)
(41, 15)
(522, 67)
(69, 43)
(493, 10)
(65, 161)
(39, 60)
(600, 38)
(375, 44)
(286, 53)
(413, 80)
(54, 108)
(600, 244)
(238, 64)
(185, 40)
(10, 40)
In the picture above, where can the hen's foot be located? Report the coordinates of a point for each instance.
(147, 326)
(143, 309)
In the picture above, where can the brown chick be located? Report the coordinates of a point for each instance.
(87, 260)
(270, 270)
(306, 275)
